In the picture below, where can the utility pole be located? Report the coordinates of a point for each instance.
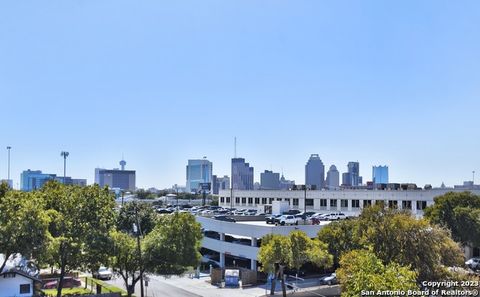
(473, 177)
(8, 174)
(138, 229)
(64, 155)
(305, 205)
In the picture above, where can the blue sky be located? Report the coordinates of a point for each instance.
(381, 82)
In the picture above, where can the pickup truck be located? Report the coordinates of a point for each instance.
(288, 220)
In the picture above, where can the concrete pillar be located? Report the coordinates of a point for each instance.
(222, 236)
(222, 260)
(253, 264)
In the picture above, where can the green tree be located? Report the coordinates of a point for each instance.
(173, 245)
(170, 248)
(275, 254)
(81, 219)
(280, 252)
(361, 270)
(396, 236)
(23, 225)
(307, 250)
(125, 259)
(132, 211)
(4, 188)
(460, 213)
(143, 194)
(342, 237)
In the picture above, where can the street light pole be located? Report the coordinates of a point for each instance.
(8, 174)
(305, 205)
(139, 233)
(64, 155)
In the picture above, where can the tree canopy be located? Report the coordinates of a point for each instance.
(23, 225)
(131, 211)
(361, 270)
(81, 219)
(396, 236)
(280, 252)
(460, 213)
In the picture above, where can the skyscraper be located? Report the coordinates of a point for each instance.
(315, 172)
(352, 178)
(269, 180)
(242, 175)
(380, 175)
(333, 178)
(198, 171)
(220, 183)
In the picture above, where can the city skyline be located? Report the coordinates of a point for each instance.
(161, 83)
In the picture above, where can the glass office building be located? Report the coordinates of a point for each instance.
(198, 171)
(380, 174)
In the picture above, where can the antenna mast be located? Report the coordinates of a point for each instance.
(235, 147)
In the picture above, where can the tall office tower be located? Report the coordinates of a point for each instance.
(315, 172)
(269, 180)
(34, 179)
(380, 175)
(242, 175)
(220, 183)
(352, 178)
(333, 178)
(198, 171)
(116, 178)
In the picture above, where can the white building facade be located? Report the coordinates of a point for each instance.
(351, 202)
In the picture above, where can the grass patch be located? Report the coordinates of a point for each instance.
(53, 292)
(106, 288)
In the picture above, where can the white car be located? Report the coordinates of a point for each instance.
(473, 263)
(103, 273)
(288, 220)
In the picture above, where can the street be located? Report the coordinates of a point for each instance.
(191, 287)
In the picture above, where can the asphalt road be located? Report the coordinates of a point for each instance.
(156, 288)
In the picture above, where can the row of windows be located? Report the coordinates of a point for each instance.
(406, 204)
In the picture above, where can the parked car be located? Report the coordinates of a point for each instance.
(292, 212)
(271, 219)
(337, 216)
(103, 273)
(473, 263)
(288, 220)
(68, 282)
(329, 279)
(224, 218)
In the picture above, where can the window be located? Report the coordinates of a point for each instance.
(244, 200)
(25, 289)
(287, 200)
(295, 201)
(264, 200)
(367, 203)
(228, 199)
(237, 200)
(392, 203)
(355, 203)
(279, 199)
(344, 203)
(250, 200)
(323, 202)
(257, 200)
(333, 202)
(222, 199)
(421, 205)
(309, 202)
(270, 200)
(407, 204)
